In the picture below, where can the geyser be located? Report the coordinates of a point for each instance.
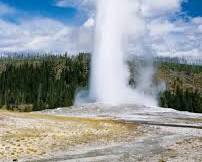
(108, 75)
(116, 22)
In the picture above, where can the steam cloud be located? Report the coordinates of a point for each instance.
(117, 21)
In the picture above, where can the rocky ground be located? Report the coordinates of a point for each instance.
(27, 137)
(101, 133)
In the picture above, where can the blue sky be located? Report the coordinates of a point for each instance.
(45, 8)
(72, 15)
(193, 8)
(68, 25)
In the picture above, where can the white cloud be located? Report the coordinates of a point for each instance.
(200, 28)
(75, 3)
(89, 23)
(197, 20)
(151, 8)
(87, 6)
(42, 34)
(179, 38)
(165, 36)
(160, 27)
(168, 38)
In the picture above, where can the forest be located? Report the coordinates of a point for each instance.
(33, 83)
(37, 83)
(183, 86)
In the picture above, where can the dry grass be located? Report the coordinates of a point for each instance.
(25, 135)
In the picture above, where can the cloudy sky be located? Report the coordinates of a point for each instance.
(175, 26)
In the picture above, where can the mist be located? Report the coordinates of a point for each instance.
(118, 24)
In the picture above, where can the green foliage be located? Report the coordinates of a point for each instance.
(30, 83)
(189, 69)
(180, 99)
(184, 86)
(47, 82)
(183, 82)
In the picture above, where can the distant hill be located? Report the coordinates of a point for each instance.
(184, 86)
(189, 76)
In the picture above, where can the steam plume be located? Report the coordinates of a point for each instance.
(116, 22)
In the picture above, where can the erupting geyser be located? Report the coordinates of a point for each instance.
(116, 21)
(108, 75)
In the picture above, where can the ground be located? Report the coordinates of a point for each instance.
(28, 136)
(101, 133)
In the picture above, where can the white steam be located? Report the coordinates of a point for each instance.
(117, 21)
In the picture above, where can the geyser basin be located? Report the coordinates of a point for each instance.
(132, 113)
(40, 136)
(94, 133)
(154, 143)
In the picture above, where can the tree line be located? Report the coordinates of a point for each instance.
(181, 99)
(33, 83)
(44, 83)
